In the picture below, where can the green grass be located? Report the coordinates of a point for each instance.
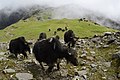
(32, 28)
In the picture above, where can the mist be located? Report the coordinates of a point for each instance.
(109, 8)
(71, 8)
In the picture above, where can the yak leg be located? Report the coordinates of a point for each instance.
(15, 55)
(42, 66)
(50, 67)
(69, 43)
(58, 64)
(73, 43)
(25, 54)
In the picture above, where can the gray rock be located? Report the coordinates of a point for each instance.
(2, 53)
(107, 33)
(78, 43)
(118, 75)
(107, 64)
(104, 78)
(83, 68)
(105, 70)
(105, 46)
(83, 72)
(64, 72)
(3, 59)
(76, 78)
(9, 70)
(84, 77)
(83, 55)
(92, 52)
(83, 62)
(84, 52)
(28, 61)
(93, 65)
(35, 61)
(98, 46)
(24, 76)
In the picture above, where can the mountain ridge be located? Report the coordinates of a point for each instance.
(9, 16)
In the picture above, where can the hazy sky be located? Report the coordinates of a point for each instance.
(106, 7)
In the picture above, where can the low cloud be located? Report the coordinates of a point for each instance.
(108, 8)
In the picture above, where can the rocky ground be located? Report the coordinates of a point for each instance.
(94, 56)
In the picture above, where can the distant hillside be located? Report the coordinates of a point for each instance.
(9, 16)
(31, 28)
(75, 11)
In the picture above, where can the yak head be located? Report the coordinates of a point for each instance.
(27, 47)
(71, 56)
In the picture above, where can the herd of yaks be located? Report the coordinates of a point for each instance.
(47, 50)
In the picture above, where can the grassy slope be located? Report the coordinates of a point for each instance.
(31, 28)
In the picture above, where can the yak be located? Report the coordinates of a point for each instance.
(42, 36)
(51, 50)
(19, 45)
(69, 38)
(57, 37)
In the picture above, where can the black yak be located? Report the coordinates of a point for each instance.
(66, 28)
(59, 29)
(69, 37)
(19, 45)
(57, 37)
(51, 50)
(42, 36)
(55, 33)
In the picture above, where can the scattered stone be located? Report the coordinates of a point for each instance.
(2, 53)
(83, 72)
(107, 33)
(20, 57)
(105, 46)
(3, 59)
(78, 43)
(24, 76)
(90, 58)
(98, 46)
(83, 55)
(83, 68)
(118, 75)
(83, 63)
(104, 78)
(93, 65)
(84, 52)
(29, 61)
(8, 71)
(107, 64)
(76, 78)
(92, 52)
(105, 70)
(35, 61)
(84, 76)
(64, 72)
